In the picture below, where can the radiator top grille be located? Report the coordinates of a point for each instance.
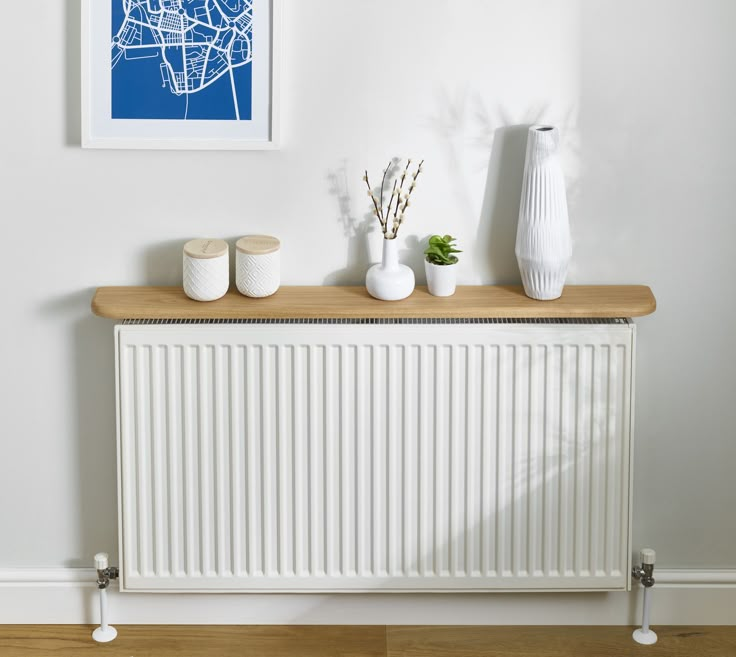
(369, 320)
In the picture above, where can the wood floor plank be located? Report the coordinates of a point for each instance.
(195, 641)
(546, 641)
(363, 641)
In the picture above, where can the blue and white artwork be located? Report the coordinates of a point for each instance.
(182, 59)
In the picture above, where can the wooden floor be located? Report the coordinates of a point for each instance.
(363, 641)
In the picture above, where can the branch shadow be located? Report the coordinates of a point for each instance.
(355, 230)
(525, 487)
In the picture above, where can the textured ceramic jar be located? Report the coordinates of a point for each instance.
(543, 244)
(206, 269)
(258, 265)
(390, 280)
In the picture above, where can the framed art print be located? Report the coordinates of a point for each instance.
(180, 74)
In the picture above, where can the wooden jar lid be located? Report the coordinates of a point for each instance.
(202, 249)
(258, 244)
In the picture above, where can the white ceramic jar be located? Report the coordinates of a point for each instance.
(206, 269)
(258, 265)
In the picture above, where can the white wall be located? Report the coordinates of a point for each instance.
(643, 90)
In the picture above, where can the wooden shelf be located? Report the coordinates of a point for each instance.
(295, 302)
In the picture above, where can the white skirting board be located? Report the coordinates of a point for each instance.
(69, 596)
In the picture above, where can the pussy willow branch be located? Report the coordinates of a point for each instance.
(406, 201)
(397, 191)
(394, 193)
(383, 182)
(401, 185)
(375, 204)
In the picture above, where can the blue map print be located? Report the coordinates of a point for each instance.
(182, 59)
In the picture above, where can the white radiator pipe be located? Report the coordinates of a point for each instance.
(643, 573)
(646, 611)
(104, 633)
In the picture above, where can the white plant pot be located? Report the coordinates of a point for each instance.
(441, 279)
(543, 244)
(390, 280)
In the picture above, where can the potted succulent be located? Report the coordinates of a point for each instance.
(440, 265)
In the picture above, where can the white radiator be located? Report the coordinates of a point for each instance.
(375, 456)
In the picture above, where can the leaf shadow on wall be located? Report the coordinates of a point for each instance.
(496, 235)
(504, 530)
(468, 131)
(355, 230)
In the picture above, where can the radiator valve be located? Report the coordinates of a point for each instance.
(645, 574)
(105, 573)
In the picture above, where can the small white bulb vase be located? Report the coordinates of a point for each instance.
(390, 280)
(543, 243)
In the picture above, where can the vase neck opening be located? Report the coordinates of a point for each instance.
(542, 142)
(390, 254)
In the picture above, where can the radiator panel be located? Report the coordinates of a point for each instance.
(374, 457)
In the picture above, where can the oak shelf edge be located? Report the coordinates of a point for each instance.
(353, 302)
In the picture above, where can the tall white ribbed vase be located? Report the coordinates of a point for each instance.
(543, 244)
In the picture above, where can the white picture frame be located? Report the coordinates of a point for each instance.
(260, 131)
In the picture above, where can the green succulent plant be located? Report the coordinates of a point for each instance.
(440, 250)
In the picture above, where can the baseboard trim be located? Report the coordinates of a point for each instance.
(13, 577)
(683, 577)
(68, 596)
